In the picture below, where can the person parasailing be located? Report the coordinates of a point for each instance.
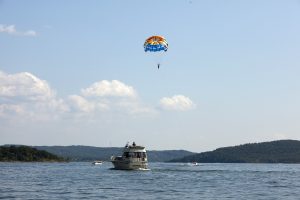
(156, 44)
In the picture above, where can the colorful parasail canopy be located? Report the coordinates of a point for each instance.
(156, 43)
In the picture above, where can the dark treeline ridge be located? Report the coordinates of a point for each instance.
(89, 153)
(26, 154)
(82, 153)
(281, 151)
(166, 155)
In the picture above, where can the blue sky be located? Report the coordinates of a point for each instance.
(74, 72)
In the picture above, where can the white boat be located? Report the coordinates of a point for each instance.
(97, 162)
(134, 158)
(194, 164)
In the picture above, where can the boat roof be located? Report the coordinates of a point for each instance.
(136, 148)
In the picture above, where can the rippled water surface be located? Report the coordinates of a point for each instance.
(164, 181)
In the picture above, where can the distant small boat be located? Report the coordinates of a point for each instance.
(193, 164)
(97, 162)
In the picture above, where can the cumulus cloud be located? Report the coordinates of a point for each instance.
(177, 102)
(113, 96)
(106, 88)
(11, 30)
(79, 103)
(24, 85)
(25, 93)
(8, 109)
(25, 96)
(100, 105)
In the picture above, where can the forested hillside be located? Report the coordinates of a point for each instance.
(282, 151)
(89, 153)
(26, 154)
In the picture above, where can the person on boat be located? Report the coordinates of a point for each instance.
(133, 144)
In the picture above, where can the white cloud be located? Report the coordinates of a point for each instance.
(134, 107)
(24, 85)
(102, 105)
(8, 109)
(11, 30)
(29, 33)
(7, 29)
(26, 96)
(25, 93)
(106, 88)
(113, 96)
(177, 102)
(79, 103)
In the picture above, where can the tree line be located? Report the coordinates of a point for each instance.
(281, 151)
(26, 154)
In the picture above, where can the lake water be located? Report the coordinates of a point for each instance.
(80, 180)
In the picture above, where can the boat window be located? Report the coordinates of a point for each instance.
(131, 154)
(126, 154)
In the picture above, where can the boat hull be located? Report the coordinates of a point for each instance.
(129, 164)
(97, 163)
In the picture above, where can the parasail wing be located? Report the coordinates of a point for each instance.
(156, 43)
